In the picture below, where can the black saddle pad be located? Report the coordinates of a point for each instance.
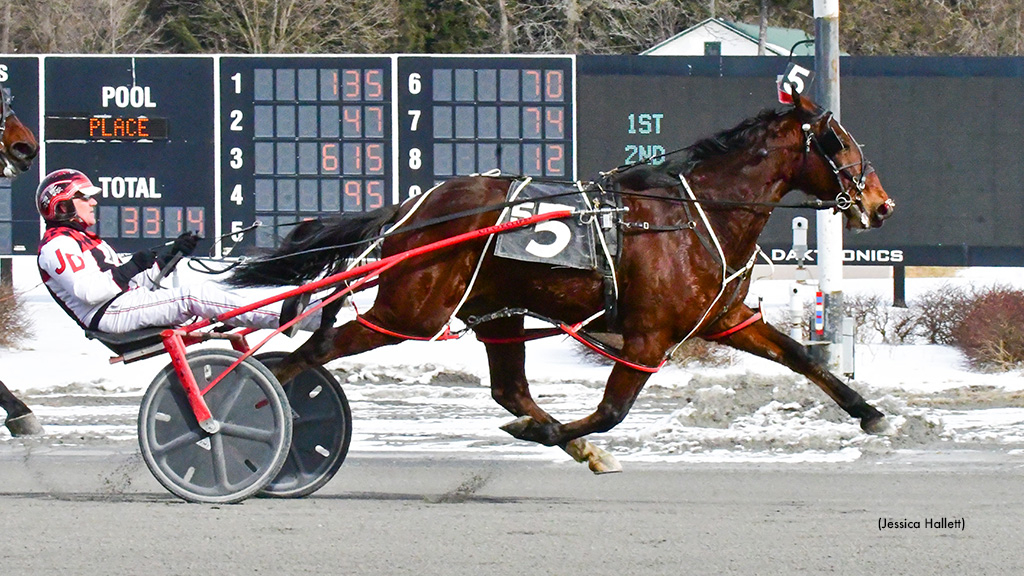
(563, 242)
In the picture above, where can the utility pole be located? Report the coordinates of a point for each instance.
(829, 225)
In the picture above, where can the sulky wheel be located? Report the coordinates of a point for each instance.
(321, 431)
(242, 456)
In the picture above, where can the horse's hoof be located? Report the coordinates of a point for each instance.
(877, 426)
(598, 460)
(518, 426)
(604, 464)
(24, 425)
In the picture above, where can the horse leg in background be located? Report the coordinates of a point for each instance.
(764, 340)
(510, 389)
(20, 419)
(329, 343)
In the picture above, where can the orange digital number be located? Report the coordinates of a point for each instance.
(353, 85)
(538, 162)
(556, 160)
(174, 222)
(374, 194)
(329, 158)
(151, 222)
(195, 219)
(354, 191)
(374, 84)
(374, 121)
(374, 158)
(554, 88)
(352, 117)
(534, 76)
(555, 122)
(129, 221)
(531, 122)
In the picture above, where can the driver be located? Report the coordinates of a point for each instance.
(102, 292)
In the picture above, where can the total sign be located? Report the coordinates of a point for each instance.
(124, 123)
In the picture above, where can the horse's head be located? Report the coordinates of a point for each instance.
(839, 169)
(18, 146)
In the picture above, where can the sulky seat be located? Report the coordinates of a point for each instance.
(134, 345)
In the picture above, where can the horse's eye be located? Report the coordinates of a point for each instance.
(831, 144)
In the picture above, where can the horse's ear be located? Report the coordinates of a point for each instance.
(805, 103)
(806, 106)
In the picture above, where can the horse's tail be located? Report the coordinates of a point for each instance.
(313, 248)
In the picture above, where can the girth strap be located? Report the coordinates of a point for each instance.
(574, 331)
(720, 335)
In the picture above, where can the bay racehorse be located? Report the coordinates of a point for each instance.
(689, 237)
(18, 149)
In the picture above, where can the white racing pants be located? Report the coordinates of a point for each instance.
(142, 308)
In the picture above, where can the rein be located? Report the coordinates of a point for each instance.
(814, 204)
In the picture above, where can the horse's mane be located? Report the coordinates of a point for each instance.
(666, 174)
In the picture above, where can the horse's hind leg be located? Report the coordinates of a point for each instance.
(765, 341)
(20, 419)
(511, 390)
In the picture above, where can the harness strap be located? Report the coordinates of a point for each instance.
(575, 331)
(603, 350)
(720, 335)
(530, 334)
(446, 333)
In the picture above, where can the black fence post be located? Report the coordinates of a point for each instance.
(899, 286)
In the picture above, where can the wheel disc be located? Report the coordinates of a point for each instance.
(236, 461)
(321, 431)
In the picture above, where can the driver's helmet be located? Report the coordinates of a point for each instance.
(54, 194)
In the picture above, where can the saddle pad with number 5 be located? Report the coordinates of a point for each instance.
(563, 242)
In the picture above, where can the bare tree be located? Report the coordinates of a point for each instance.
(82, 26)
(292, 26)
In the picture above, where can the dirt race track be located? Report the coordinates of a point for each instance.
(96, 511)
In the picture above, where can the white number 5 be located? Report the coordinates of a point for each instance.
(797, 77)
(560, 230)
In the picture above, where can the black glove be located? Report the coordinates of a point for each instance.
(185, 244)
(141, 260)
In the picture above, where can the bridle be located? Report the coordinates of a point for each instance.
(5, 105)
(828, 144)
(6, 167)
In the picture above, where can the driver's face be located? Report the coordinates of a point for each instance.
(85, 209)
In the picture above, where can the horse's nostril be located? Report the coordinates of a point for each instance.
(24, 150)
(886, 208)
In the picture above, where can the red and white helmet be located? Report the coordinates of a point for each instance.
(54, 194)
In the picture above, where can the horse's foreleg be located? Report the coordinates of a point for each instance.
(624, 385)
(511, 390)
(765, 341)
(20, 419)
